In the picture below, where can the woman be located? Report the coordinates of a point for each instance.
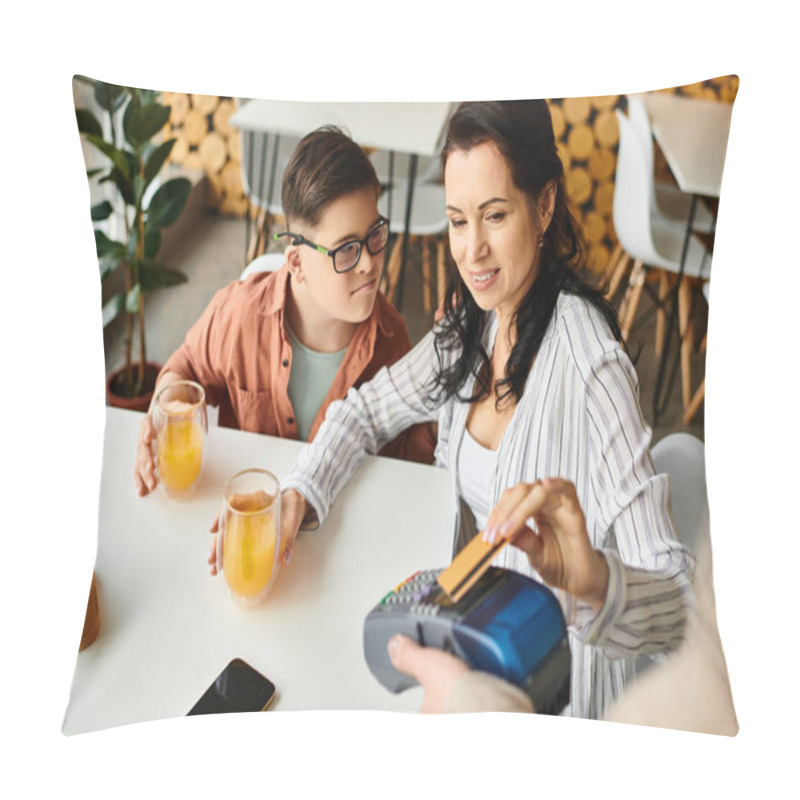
(536, 404)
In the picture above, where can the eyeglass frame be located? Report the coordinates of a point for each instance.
(298, 238)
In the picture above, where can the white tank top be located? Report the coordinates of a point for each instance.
(476, 467)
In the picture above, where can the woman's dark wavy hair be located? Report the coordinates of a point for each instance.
(522, 130)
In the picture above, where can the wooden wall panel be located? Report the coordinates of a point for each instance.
(585, 127)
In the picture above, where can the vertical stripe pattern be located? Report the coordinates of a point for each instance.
(579, 418)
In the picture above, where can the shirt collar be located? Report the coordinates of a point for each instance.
(276, 291)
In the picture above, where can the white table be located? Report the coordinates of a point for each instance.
(693, 136)
(414, 128)
(167, 628)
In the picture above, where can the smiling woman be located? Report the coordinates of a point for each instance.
(536, 404)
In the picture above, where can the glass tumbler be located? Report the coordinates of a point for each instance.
(181, 423)
(248, 544)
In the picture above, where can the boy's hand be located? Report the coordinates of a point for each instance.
(145, 470)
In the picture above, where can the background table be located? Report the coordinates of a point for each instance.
(167, 628)
(414, 128)
(693, 136)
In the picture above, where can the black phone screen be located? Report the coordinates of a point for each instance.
(237, 688)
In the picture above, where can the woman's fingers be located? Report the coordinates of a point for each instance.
(510, 514)
(549, 500)
(212, 556)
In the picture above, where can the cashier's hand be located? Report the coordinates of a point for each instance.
(559, 549)
(436, 672)
(145, 471)
(293, 510)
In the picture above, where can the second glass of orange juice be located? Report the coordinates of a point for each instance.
(249, 539)
(179, 416)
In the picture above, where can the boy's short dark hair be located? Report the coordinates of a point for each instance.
(324, 166)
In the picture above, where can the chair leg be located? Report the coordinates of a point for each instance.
(633, 293)
(687, 339)
(661, 314)
(441, 272)
(259, 242)
(618, 263)
(426, 275)
(393, 268)
(694, 403)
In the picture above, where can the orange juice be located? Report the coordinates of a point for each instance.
(180, 453)
(248, 551)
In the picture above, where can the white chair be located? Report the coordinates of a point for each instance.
(655, 247)
(429, 168)
(264, 159)
(683, 457)
(668, 203)
(268, 262)
(428, 221)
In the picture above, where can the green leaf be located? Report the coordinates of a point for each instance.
(157, 159)
(88, 122)
(108, 265)
(113, 308)
(102, 211)
(153, 275)
(142, 122)
(108, 248)
(167, 203)
(152, 241)
(132, 300)
(90, 173)
(119, 158)
(123, 184)
(109, 96)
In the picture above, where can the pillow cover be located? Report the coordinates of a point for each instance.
(159, 630)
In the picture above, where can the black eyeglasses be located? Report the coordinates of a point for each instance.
(346, 256)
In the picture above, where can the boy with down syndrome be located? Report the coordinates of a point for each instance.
(273, 351)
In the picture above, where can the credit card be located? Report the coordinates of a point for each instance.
(465, 569)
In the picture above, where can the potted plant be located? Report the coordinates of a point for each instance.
(144, 205)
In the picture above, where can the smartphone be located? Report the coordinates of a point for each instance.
(237, 688)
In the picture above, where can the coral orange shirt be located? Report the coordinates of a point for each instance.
(239, 351)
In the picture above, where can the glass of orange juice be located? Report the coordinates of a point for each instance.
(249, 535)
(181, 423)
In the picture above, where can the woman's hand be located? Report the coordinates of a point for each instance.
(145, 470)
(559, 549)
(293, 510)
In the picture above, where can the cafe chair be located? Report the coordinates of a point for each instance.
(668, 204)
(655, 248)
(267, 262)
(682, 456)
(264, 158)
(700, 393)
(428, 227)
(393, 168)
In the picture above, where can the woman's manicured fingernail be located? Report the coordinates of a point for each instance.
(393, 645)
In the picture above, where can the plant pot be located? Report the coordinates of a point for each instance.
(139, 402)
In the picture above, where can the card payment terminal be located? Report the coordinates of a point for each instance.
(506, 624)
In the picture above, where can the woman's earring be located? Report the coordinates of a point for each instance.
(541, 242)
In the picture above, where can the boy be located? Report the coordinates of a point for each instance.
(273, 351)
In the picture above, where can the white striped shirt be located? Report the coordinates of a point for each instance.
(579, 418)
